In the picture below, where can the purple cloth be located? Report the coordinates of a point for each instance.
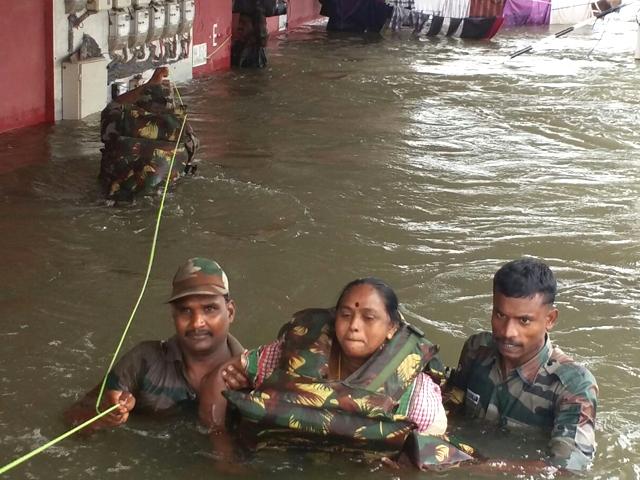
(526, 12)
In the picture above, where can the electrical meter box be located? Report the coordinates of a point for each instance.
(141, 3)
(172, 20)
(84, 88)
(72, 6)
(119, 28)
(121, 3)
(139, 28)
(188, 13)
(157, 19)
(97, 5)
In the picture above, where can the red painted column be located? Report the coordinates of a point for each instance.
(26, 83)
(302, 11)
(212, 26)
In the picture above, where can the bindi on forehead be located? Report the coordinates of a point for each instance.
(357, 304)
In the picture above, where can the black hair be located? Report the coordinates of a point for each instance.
(387, 294)
(525, 278)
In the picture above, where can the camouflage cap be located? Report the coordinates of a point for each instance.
(199, 276)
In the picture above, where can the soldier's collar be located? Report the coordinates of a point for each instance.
(529, 371)
(172, 349)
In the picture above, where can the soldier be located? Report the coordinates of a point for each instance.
(514, 376)
(165, 375)
(140, 130)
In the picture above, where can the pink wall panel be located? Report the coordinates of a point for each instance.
(26, 56)
(301, 11)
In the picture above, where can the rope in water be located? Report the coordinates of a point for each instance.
(152, 253)
(51, 443)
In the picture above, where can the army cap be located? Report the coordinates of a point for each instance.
(199, 276)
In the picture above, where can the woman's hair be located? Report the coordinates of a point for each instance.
(386, 293)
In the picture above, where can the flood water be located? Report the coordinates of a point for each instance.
(427, 163)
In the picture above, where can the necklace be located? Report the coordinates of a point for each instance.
(339, 366)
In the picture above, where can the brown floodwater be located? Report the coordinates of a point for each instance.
(427, 163)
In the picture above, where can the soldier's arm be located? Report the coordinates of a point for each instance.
(121, 388)
(133, 95)
(454, 389)
(212, 407)
(85, 409)
(572, 444)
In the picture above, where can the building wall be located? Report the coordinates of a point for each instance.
(97, 26)
(212, 33)
(26, 93)
(302, 11)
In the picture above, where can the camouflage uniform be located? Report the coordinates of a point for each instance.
(361, 411)
(139, 142)
(550, 391)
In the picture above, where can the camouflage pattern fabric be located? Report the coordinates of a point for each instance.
(199, 276)
(298, 395)
(550, 392)
(139, 142)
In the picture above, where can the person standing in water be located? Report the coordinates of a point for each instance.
(514, 376)
(167, 375)
(354, 372)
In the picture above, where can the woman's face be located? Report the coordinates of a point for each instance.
(362, 322)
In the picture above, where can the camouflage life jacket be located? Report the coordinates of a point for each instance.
(139, 142)
(359, 411)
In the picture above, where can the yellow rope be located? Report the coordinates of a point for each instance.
(26, 457)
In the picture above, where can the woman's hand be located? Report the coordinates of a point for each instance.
(235, 378)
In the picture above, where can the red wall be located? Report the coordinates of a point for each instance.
(26, 60)
(301, 11)
(209, 13)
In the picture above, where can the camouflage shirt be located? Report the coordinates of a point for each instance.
(154, 372)
(550, 391)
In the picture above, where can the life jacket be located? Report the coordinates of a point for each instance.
(139, 141)
(360, 410)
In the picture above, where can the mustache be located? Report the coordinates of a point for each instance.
(498, 339)
(197, 333)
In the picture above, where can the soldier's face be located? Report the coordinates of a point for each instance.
(202, 322)
(362, 322)
(519, 326)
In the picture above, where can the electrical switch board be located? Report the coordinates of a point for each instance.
(172, 19)
(157, 19)
(139, 28)
(188, 13)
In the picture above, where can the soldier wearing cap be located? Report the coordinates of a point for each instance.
(166, 375)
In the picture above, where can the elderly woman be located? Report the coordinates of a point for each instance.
(354, 373)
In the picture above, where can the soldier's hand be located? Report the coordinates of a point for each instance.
(158, 75)
(234, 378)
(125, 401)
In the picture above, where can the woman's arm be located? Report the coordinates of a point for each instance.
(426, 408)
